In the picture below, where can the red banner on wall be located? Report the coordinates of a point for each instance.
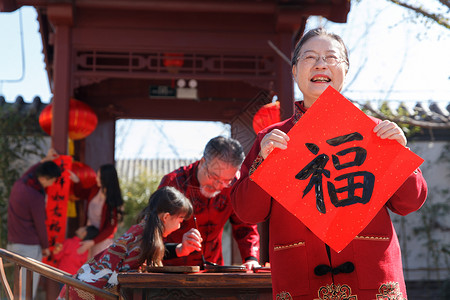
(57, 198)
(336, 173)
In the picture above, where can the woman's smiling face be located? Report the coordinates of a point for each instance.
(320, 63)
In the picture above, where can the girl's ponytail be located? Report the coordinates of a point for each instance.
(152, 245)
(164, 200)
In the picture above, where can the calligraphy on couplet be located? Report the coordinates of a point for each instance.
(57, 198)
(336, 173)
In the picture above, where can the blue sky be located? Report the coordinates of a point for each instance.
(22, 74)
(391, 58)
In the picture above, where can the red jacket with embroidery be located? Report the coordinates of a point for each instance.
(101, 270)
(295, 251)
(211, 214)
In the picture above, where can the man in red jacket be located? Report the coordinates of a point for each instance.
(207, 184)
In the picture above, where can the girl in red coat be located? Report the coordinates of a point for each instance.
(65, 254)
(142, 243)
(304, 267)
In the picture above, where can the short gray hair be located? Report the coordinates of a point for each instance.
(320, 32)
(226, 149)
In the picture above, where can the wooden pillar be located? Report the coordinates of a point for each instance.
(61, 16)
(284, 83)
(285, 91)
(99, 145)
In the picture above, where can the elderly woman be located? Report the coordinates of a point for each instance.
(303, 266)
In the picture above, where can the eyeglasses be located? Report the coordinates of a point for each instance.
(312, 59)
(216, 178)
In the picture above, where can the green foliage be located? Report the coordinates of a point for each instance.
(18, 140)
(408, 129)
(401, 113)
(136, 193)
(445, 156)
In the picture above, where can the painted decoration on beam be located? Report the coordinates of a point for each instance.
(267, 115)
(82, 119)
(56, 208)
(336, 173)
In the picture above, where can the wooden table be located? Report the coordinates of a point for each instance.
(196, 286)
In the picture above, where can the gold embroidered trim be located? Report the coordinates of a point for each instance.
(298, 111)
(373, 238)
(335, 292)
(283, 247)
(83, 294)
(258, 160)
(390, 291)
(284, 296)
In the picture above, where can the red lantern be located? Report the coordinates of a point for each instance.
(267, 115)
(82, 119)
(173, 61)
(86, 174)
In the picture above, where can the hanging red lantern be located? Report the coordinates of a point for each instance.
(173, 60)
(85, 173)
(267, 115)
(82, 119)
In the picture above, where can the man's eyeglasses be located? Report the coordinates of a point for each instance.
(312, 59)
(216, 178)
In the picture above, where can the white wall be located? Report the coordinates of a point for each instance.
(419, 262)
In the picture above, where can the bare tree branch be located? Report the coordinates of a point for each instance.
(279, 52)
(439, 19)
(360, 69)
(369, 24)
(446, 3)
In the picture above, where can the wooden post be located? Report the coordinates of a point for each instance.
(29, 285)
(102, 138)
(284, 83)
(17, 282)
(4, 281)
(61, 16)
